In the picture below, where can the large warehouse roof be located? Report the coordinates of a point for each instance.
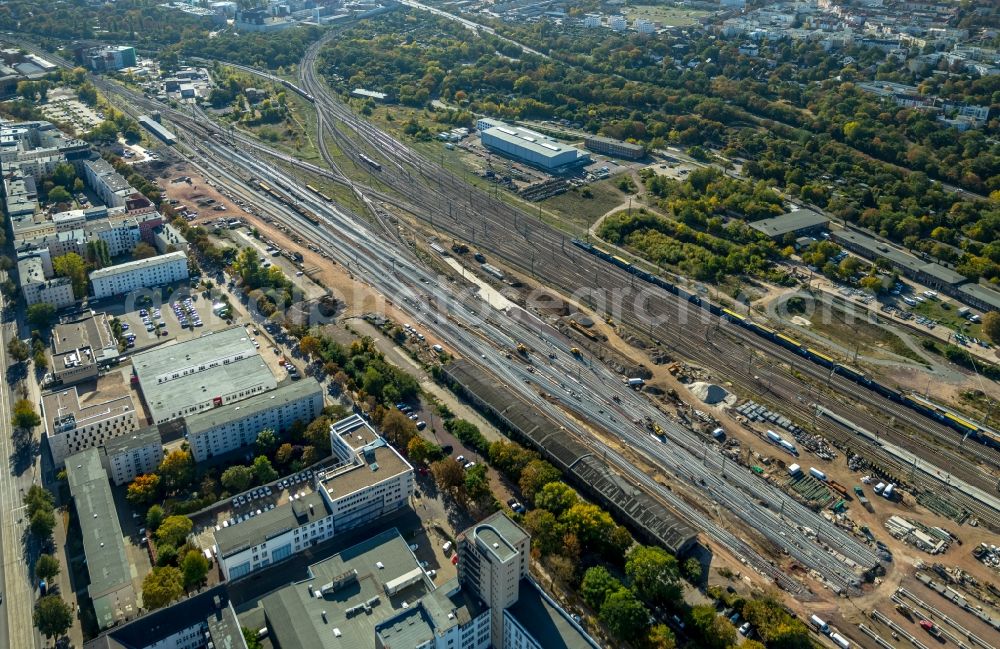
(532, 141)
(794, 221)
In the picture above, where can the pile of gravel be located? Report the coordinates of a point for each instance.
(709, 392)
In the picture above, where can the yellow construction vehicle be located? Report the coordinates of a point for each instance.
(522, 349)
(575, 351)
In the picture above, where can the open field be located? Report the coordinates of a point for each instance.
(873, 340)
(667, 16)
(946, 313)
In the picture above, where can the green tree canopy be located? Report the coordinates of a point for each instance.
(263, 470)
(46, 567)
(53, 616)
(237, 478)
(653, 572)
(597, 584)
(73, 266)
(174, 530)
(556, 497)
(161, 586)
(177, 469)
(624, 615)
(24, 416)
(194, 567)
(154, 518)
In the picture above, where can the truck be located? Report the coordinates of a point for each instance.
(788, 446)
(820, 625)
(889, 491)
(635, 382)
(774, 437)
(816, 473)
(839, 488)
(930, 628)
(841, 641)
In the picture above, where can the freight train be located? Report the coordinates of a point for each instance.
(287, 200)
(911, 400)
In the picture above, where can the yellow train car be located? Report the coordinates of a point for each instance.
(621, 262)
(820, 356)
(732, 315)
(962, 423)
(789, 341)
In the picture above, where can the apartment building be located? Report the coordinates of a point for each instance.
(127, 456)
(106, 182)
(73, 424)
(143, 273)
(226, 428)
(37, 288)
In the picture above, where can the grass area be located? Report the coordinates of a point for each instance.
(856, 332)
(668, 16)
(946, 313)
(581, 207)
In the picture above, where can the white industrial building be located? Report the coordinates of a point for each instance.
(143, 273)
(127, 456)
(73, 426)
(529, 147)
(373, 480)
(213, 370)
(226, 428)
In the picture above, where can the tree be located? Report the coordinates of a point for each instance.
(284, 454)
(161, 586)
(174, 530)
(60, 194)
(194, 566)
(154, 518)
(263, 470)
(73, 266)
(716, 632)
(776, 627)
(143, 250)
(624, 615)
(448, 474)
(40, 315)
(237, 478)
(510, 458)
(18, 350)
(556, 497)
(250, 637)
(267, 440)
(309, 345)
(143, 489)
(545, 531)
(25, 416)
(177, 469)
(661, 637)
(692, 570)
(653, 573)
(421, 450)
(42, 522)
(398, 428)
(53, 616)
(536, 475)
(477, 483)
(46, 567)
(597, 584)
(41, 360)
(991, 326)
(38, 497)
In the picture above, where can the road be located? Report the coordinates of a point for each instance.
(16, 476)
(469, 24)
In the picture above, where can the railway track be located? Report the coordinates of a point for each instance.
(475, 217)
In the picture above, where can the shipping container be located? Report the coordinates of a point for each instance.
(774, 437)
(879, 487)
(788, 446)
(819, 624)
(816, 473)
(841, 641)
(888, 491)
(794, 469)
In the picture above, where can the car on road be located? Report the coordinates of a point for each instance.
(745, 629)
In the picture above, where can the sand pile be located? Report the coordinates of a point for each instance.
(710, 393)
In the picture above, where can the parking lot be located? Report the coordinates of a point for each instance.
(250, 504)
(63, 106)
(181, 318)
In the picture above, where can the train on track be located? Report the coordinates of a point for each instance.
(909, 399)
(319, 193)
(287, 200)
(299, 91)
(374, 164)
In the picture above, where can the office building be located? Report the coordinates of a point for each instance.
(592, 21)
(112, 58)
(142, 273)
(614, 148)
(213, 370)
(930, 274)
(37, 289)
(80, 346)
(166, 239)
(107, 183)
(206, 619)
(644, 27)
(229, 427)
(73, 424)
(618, 23)
(980, 296)
(127, 456)
(799, 222)
(371, 481)
(530, 147)
(108, 567)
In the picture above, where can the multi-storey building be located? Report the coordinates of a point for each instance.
(210, 371)
(142, 273)
(127, 456)
(110, 589)
(226, 428)
(206, 619)
(106, 182)
(372, 481)
(73, 426)
(612, 147)
(37, 289)
(80, 346)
